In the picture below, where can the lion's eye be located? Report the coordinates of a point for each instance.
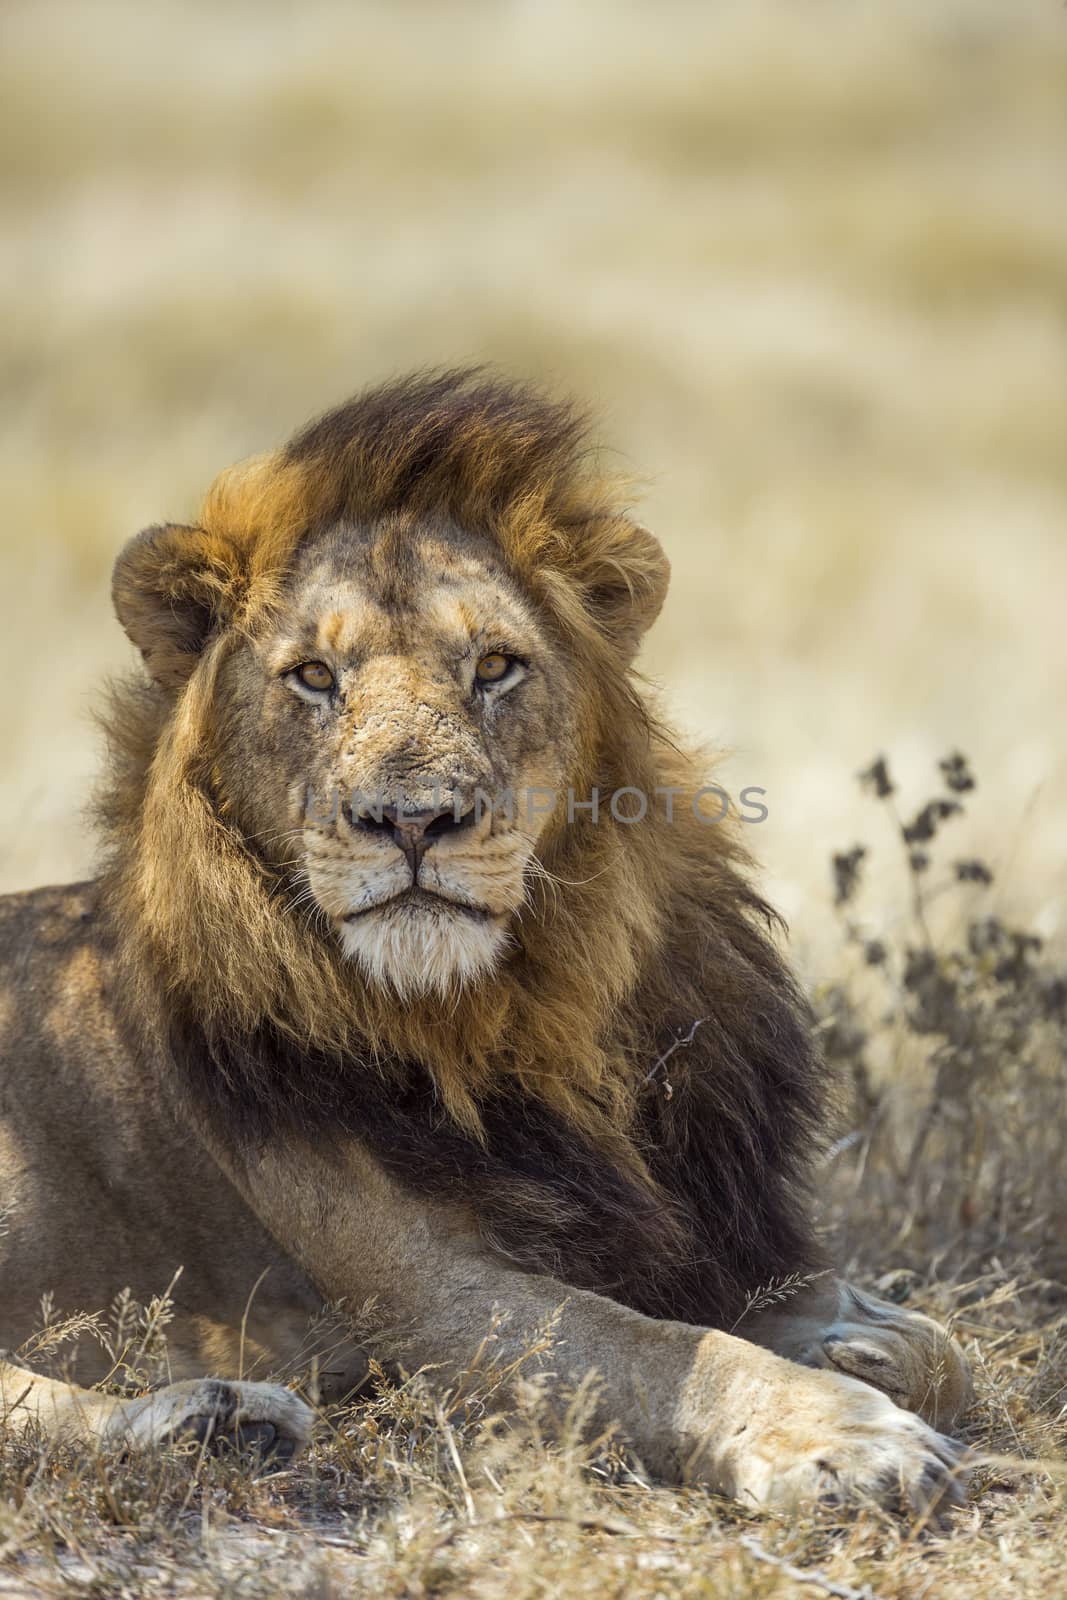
(315, 675)
(494, 667)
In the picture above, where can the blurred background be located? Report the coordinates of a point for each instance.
(807, 261)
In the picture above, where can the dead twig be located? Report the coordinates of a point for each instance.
(679, 1044)
(810, 1575)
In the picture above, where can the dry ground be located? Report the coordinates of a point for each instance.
(810, 264)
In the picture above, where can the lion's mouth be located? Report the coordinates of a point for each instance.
(419, 900)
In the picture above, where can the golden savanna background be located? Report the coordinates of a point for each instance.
(807, 262)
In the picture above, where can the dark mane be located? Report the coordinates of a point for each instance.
(456, 441)
(724, 1216)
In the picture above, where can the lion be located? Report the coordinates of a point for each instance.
(347, 1018)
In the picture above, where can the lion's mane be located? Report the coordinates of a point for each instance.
(535, 1099)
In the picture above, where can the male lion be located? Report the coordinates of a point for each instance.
(329, 1027)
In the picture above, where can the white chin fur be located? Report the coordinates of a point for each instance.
(423, 950)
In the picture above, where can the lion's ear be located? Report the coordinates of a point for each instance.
(171, 588)
(626, 578)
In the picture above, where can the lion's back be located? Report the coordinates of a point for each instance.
(38, 926)
(56, 971)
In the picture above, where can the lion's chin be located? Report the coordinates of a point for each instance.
(424, 945)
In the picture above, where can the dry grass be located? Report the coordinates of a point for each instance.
(810, 262)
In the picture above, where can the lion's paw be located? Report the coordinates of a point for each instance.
(836, 1441)
(902, 1353)
(220, 1415)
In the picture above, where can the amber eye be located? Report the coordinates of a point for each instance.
(315, 675)
(492, 668)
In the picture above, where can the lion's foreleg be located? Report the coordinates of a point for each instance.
(691, 1401)
(902, 1352)
(57, 1410)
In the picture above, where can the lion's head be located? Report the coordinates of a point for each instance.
(409, 617)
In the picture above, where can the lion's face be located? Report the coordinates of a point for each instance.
(375, 660)
(395, 739)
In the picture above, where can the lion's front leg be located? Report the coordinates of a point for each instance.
(903, 1353)
(217, 1414)
(694, 1403)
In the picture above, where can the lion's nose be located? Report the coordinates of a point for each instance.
(415, 831)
